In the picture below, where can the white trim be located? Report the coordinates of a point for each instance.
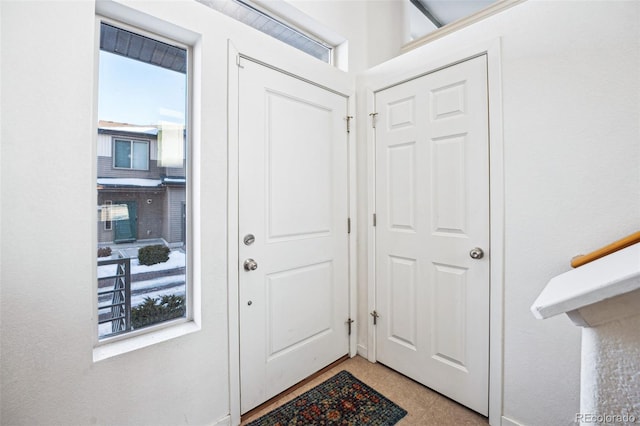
(363, 352)
(371, 230)
(508, 422)
(388, 75)
(233, 275)
(320, 74)
(132, 343)
(497, 224)
(490, 10)
(225, 421)
(148, 26)
(353, 236)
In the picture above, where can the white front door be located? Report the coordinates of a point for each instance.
(432, 207)
(293, 209)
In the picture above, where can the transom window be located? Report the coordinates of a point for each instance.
(248, 13)
(130, 154)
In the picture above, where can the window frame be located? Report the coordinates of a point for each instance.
(131, 141)
(114, 345)
(284, 23)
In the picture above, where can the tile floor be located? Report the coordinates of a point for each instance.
(424, 406)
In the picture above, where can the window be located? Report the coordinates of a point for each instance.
(142, 170)
(130, 154)
(108, 224)
(247, 13)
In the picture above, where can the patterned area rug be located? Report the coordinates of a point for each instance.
(341, 400)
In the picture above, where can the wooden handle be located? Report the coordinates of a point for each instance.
(608, 249)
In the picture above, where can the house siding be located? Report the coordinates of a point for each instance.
(176, 171)
(150, 212)
(159, 209)
(174, 230)
(106, 169)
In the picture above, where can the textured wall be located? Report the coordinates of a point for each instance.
(610, 379)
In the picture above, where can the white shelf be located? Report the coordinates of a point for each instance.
(607, 277)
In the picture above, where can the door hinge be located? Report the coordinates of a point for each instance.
(373, 119)
(348, 225)
(374, 219)
(349, 322)
(375, 316)
(349, 117)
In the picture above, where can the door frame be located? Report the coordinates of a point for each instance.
(297, 65)
(408, 67)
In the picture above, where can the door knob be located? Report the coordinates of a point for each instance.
(476, 253)
(250, 265)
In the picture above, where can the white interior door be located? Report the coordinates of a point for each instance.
(432, 206)
(293, 200)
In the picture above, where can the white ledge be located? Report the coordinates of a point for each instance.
(607, 277)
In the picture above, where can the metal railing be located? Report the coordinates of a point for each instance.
(117, 310)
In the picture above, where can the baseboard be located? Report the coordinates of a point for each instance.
(508, 422)
(362, 351)
(225, 421)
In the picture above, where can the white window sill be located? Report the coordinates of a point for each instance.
(129, 344)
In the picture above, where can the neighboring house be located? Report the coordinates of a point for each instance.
(139, 196)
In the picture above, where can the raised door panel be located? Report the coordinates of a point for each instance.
(448, 328)
(299, 159)
(449, 194)
(290, 325)
(402, 324)
(401, 187)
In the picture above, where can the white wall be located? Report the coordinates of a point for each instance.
(48, 235)
(373, 29)
(571, 99)
(571, 181)
(48, 251)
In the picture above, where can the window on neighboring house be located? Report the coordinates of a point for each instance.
(130, 154)
(142, 183)
(108, 224)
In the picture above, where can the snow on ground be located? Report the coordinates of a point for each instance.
(150, 183)
(177, 259)
(139, 286)
(177, 290)
(157, 287)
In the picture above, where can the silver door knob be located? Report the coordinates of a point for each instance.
(250, 265)
(476, 253)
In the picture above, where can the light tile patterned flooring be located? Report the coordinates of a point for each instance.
(424, 406)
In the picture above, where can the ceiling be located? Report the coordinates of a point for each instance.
(446, 11)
